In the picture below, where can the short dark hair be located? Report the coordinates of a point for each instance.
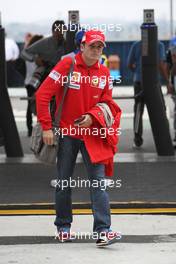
(57, 23)
(34, 39)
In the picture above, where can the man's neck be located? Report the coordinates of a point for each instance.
(58, 41)
(87, 61)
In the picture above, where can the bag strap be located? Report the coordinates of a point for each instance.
(66, 87)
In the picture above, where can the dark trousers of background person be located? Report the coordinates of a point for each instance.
(1, 138)
(30, 92)
(139, 110)
(14, 78)
(174, 101)
(138, 113)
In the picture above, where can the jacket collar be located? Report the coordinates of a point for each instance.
(79, 61)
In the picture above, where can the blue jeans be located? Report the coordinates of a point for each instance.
(67, 153)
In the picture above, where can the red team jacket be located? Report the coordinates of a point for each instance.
(89, 86)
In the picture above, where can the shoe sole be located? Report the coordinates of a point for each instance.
(137, 147)
(110, 242)
(64, 241)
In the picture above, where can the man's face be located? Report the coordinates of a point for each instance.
(93, 51)
(58, 32)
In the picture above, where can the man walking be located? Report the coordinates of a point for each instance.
(88, 106)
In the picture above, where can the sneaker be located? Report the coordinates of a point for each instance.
(138, 141)
(108, 238)
(53, 183)
(29, 133)
(63, 234)
(174, 141)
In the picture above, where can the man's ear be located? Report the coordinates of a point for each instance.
(82, 47)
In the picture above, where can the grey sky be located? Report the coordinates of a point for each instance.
(38, 10)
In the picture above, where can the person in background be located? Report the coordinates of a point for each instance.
(47, 51)
(104, 60)
(44, 53)
(11, 50)
(172, 42)
(11, 53)
(78, 38)
(114, 68)
(171, 68)
(134, 64)
(27, 39)
(30, 69)
(1, 138)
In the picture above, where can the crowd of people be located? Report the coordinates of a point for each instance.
(42, 53)
(88, 104)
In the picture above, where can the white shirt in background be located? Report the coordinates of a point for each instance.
(11, 49)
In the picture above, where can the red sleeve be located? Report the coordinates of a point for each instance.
(51, 86)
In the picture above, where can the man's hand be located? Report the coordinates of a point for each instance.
(132, 67)
(48, 137)
(87, 121)
(39, 61)
(169, 88)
